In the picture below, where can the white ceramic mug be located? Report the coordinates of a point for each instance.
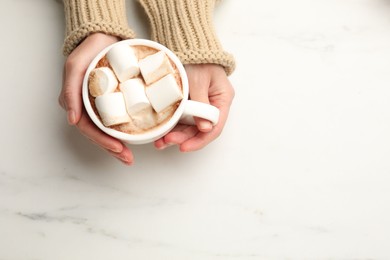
(184, 113)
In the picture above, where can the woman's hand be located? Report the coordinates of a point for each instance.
(70, 98)
(208, 84)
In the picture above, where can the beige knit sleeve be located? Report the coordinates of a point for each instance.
(186, 27)
(84, 17)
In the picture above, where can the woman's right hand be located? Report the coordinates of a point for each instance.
(70, 97)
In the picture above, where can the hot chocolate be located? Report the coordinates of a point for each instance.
(134, 89)
(150, 96)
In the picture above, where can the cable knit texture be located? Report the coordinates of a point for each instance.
(186, 27)
(84, 17)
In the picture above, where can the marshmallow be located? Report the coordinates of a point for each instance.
(164, 93)
(154, 67)
(145, 119)
(134, 93)
(112, 109)
(123, 61)
(102, 80)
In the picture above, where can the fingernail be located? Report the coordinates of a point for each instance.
(122, 160)
(125, 161)
(71, 117)
(116, 149)
(165, 146)
(205, 126)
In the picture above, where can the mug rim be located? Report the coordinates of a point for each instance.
(149, 135)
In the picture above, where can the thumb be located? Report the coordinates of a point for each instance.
(199, 86)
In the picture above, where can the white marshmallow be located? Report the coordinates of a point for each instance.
(123, 61)
(112, 108)
(102, 80)
(134, 93)
(164, 93)
(145, 119)
(154, 67)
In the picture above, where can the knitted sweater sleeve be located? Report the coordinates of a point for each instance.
(186, 27)
(84, 17)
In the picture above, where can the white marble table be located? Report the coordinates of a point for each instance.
(302, 170)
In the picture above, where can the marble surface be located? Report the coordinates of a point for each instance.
(301, 171)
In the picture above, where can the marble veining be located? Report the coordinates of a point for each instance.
(300, 172)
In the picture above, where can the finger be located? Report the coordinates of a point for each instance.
(61, 100)
(125, 156)
(88, 129)
(110, 144)
(71, 98)
(162, 143)
(202, 139)
(195, 143)
(179, 137)
(199, 141)
(199, 85)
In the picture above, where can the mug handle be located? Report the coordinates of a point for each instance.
(199, 109)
